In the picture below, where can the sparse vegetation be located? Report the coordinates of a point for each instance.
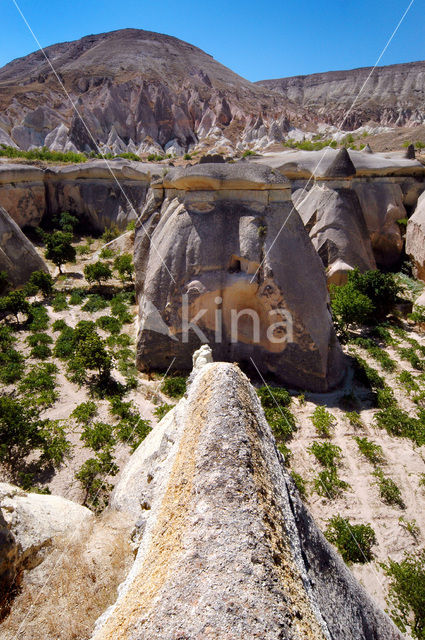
(328, 484)
(327, 454)
(353, 541)
(174, 386)
(389, 491)
(370, 450)
(323, 421)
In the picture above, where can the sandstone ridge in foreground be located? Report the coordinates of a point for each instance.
(226, 549)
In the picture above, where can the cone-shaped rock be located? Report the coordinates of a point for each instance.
(410, 152)
(18, 256)
(367, 149)
(341, 167)
(226, 549)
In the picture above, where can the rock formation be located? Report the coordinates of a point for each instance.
(102, 194)
(222, 243)
(385, 184)
(137, 91)
(226, 549)
(415, 239)
(18, 256)
(335, 223)
(28, 523)
(393, 95)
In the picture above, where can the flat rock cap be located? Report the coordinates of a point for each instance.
(214, 176)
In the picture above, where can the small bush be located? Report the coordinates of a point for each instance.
(98, 435)
(11, 365)
(97, 272)
(64, 346)
(398, 423)
(161, 410)
(59, 248)
(406, 599)
(327, 454)
(110, 234)
(84, 412)
(328, 485)
(174, 386)
(389, 491)
(59, 325)
(94, 303)
(408, 381)
(92, 475)
(354, 419)
(41, 281)
(370, 450)
(112, 325)
(323, 421)
(274, 397)
(40, 382)
(353, 541)
(300, 484)
(59, 302)
(125, 267)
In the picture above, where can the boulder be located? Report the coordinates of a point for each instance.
(18, 256)
(335, 223)
(410, 152)
(223, 243)
(226, 549)
(382, 205)
(415, 239)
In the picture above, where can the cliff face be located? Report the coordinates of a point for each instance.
(394, 95)
(226, 549)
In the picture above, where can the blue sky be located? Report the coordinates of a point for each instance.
(258, 40)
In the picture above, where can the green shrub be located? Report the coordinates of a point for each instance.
(155, 157)
(161, 410)
(59, 325)
(11, 365)
(398, 423)
(59, 248)
(354, 419)
(66, 222)
(406, 598)
(300, 484)
(187, 156)
(125, 267)
(15, 303)
(94, 303)
(84, 412)
(174, 386)
(41, 281)
(112, 325)
(408, 381)
(64, 346)
(323, 421)
(385, 398)
(106, 253)
(4, 282)
(353, 541)
(418, 315)
(131, 225)
(89, 354)
(275, 402)
(328, 485)
(366, 375)
(38, 318)
(327, 454)
(365, 298)
(372, 451)
(97, 272)
(59, 302)
(98, 435)
(76, 297)
(388, 490)
(110, 234)
(92, 476)
(273, 397)
(42, 154)
(40, 382)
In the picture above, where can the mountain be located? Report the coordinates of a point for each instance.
(392, 96)
(133, 88)
(144, 92)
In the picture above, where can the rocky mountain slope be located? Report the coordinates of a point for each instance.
(130, 85)
(393, 96)
(145, 92)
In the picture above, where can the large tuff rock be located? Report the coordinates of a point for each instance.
(18, 256)
(225, 547)
(224, 242)
(415, 239)
(335, 223)
(382, 205)
(29, 522)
